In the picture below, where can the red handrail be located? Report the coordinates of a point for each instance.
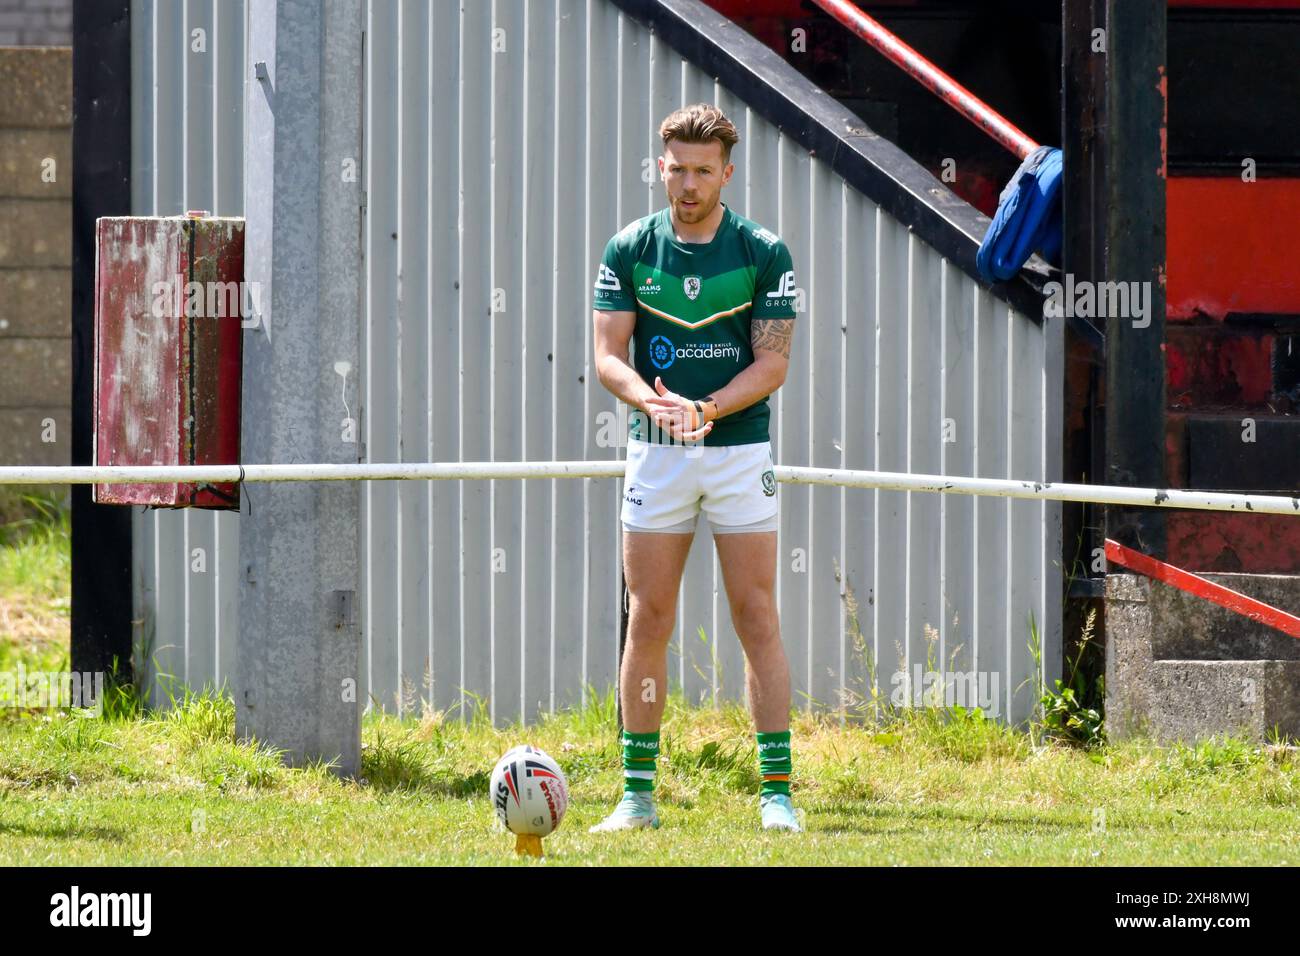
(1248, 607)
(930, 76)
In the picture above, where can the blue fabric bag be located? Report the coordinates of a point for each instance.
(1028, 218)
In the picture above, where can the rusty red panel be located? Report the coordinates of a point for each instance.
(1210, 367)
(168, 300)
(1253, 544)
(1232, 246)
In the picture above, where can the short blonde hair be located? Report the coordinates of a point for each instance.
(700, 123)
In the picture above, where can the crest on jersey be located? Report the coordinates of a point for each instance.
(691, 286)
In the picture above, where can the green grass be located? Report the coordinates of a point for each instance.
(924, 788)
(921, 787)
(35, 575)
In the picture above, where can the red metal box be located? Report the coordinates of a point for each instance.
(169, 307)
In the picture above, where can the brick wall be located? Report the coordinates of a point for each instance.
(35, 255)
(35, 22)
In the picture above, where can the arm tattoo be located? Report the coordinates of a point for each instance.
(772, 334)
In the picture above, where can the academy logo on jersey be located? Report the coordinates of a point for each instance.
(691, 286)
(769, 483)
(607, 280)
(662, 352)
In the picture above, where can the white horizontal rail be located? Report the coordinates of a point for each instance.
(452, 471)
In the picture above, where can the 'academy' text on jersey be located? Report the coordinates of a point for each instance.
(694, 303)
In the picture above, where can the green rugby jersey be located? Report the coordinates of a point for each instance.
(694, 303)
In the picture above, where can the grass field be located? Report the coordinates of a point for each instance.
(923, 787)
(925, 790)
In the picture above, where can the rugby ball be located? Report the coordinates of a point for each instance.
(529, 792)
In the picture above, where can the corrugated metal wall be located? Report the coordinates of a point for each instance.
(187, 142)
(505, 143)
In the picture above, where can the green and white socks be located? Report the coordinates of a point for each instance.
(774, 762)
(640, 753)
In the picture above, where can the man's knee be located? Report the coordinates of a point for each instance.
(652, 619)
(754, 616)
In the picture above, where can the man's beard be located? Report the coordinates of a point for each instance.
(698, 213)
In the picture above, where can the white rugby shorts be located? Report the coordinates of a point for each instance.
(666, 487)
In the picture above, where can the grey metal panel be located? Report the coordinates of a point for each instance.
(225, 582)
(380, 359)
(299, 645)
(993, 528)
(414, 335)
(540, 200)
(187, 143)
(1025, 556)
(889, 640)
(823, 337)
(601, 498)
(198, 136)
(168, 49)
(857, 415)
(228, 53)
(442, 386)
(1053, 580)
(143, 598)
(476, 54)
(634, 171)
(924, 442)
(509, 287)
(198, 129)
(142, 116)
(792, 419)
(959, 386)
(167, 656)
(635, 174)
(571, 318)
(504, 144)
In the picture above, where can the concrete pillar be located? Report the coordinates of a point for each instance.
(297, 682)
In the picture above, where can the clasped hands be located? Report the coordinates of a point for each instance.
(678, 415)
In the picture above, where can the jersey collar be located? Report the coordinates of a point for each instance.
(696, 248)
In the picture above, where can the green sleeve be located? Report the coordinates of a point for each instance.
(774, 292)
(613, 289)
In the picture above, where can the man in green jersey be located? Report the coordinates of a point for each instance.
(708, 299)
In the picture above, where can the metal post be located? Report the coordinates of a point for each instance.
(298, 682)
(101, 186)
(1134, 151)
(1083, 192)
(1083, 125)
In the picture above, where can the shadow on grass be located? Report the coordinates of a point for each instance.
(980, 821)
(415, 779)
(63, 832)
